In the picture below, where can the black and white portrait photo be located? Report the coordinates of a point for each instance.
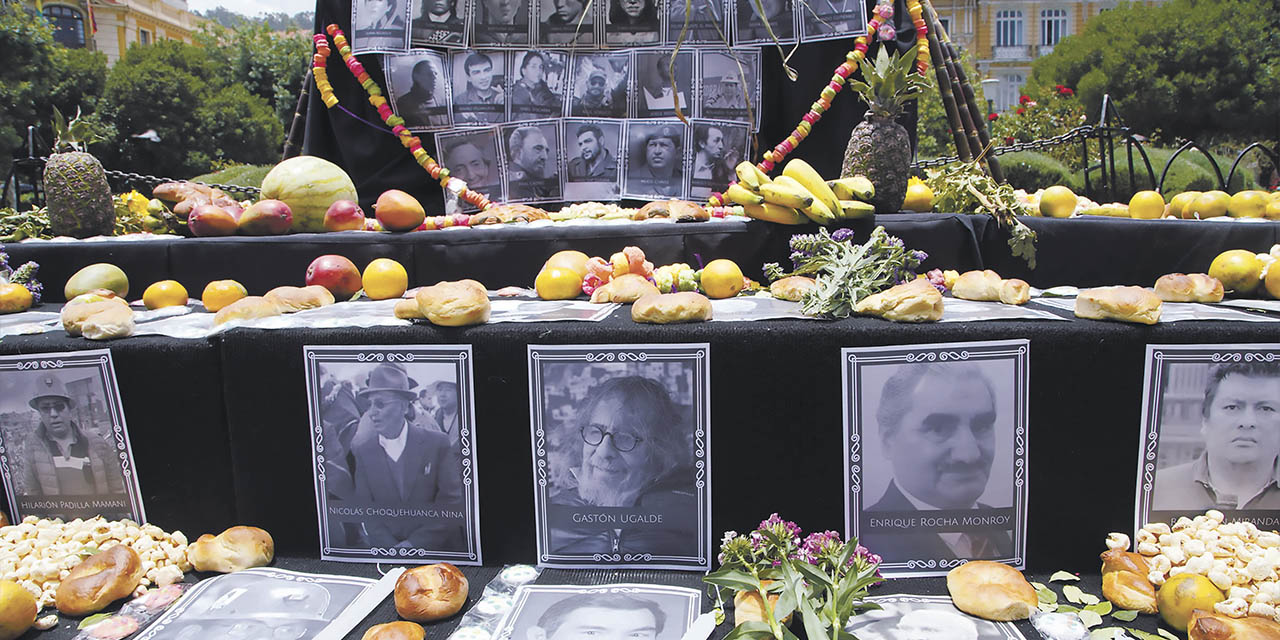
(502, 23)
(64, 447)
(592, 149)
(479, 87)
(776, 24)
(706, 23)
(379, 25)
(261, 602)
(567, 23)
(473, 157)
(1211, 426)
(600, 85)
(538, 81)
(418, 89)
(663, 79)
(621, 447)
(394, 453)
(611, 611)
(729, 86)
(830, 19)
(936, 459)
(718, 147)
(654, 165)
(631, 23)
(533, 160)
(438, 23)
(912, 617)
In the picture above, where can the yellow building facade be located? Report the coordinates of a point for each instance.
(120, 23)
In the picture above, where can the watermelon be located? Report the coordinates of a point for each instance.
(308, 185)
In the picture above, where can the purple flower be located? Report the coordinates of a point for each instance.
(776, 523)
(842, 235)
(894, 242)
(919, 256)
(818, 544)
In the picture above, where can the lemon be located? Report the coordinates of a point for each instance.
(220, 293)
(919, 196)
(574, 260)
(1272, 282)
(1184, 593)
(1148, 205)
(1238, 269)
(722, 279)
(166, 293)
(1057, 202)
(14, 298)
(384, 279)
(1180, 205)
(1272, 211)
(1209, 204)
(558, 283)
(1247, 204)
(17, 610)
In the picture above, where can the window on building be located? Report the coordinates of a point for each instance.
(144, 37)
(1008, 28)
(1010, 90)
(1053, 26)
(68, 25)
(945, 23)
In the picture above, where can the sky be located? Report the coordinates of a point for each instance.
(254, 7)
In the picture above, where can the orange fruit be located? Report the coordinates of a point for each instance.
(1058, 202)
(14, 298)
(166, 293)
(1248, 204)
(220, 293)
(384, 279)
(1180, 205)
(1184, 593)
(17, 610)
(1147, 205)
(1239, 270)
(1209, 204)
(558, 283)
(569, 259)
(1272, 211)
(722, 279)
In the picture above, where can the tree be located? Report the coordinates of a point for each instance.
(271, 65)
(25, 75)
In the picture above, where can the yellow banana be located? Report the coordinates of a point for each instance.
(808, 177)
(819, 213)
(760, 175)
(854, 188)
(775, 213)
(786, 195)
(850, 209)
(749, 176)
(738, 194)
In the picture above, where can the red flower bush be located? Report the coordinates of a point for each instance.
(991, 117)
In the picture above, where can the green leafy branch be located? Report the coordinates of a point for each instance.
(1091, 610)
(962, 187)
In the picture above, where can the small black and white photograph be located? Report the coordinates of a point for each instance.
(718, 147)
(831, 19)
(64, 446)
(599, 85)
(380, 25)
(729, 86)
(567, 23)
(621, 455)
(936, 458)
(393, 451)
(592, 148)
(502, 23)
(418, 89)
(538, 82)
(438, 23)
(702, 21)
(572, 612)
(663, 80)
(912, 617)
(1211, 426)
(654, 167)
(533, 159)
(261, 602)
(473, 157)
(479, 87)
(764, 22)
(632, 23)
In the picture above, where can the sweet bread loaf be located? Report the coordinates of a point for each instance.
(115, 321)
(407, 309)
(291, 299)
(1014, 291)
(74, 313)
(1126, 304)
(246, 308)
(454, 304)
(1212, 626)
(398, 630)
(1189, 287)
(667, 308)
(235, 549)
(1125, 583)
(99, 580)
(915, 301)
(792, 287)
(991, 591)
(430, 592)
(625, 288)
(978, 285)
(678, 210)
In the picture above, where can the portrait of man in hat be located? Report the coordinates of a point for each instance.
(657, 159)
(62, 457)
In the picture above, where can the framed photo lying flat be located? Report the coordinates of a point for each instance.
(911, 617)
(568, 612)
(621, 455)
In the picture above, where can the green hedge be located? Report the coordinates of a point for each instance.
(1191, 171)
(243, 175)
(1032, 170)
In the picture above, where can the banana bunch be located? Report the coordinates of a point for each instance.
(855, 195)
(799, 195)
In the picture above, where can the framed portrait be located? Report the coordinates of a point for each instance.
(64, 445)
(935, 453)
(570, 24)
(832, 19)
(439, 23)
(1210, 433)
(533, 157)
(599, 85)
(621, 455)
(479, 87)
(502, 23)
(728, 85)
(717, 147)
(538, 82)
(663, 80)
(632, 23)
(418, 89)
(593, 147)
(701, 21)
(655, 163)
(473, 156)
(635, 611)
(912, 617)
(380, 25)
(777, 23)
(394, 452)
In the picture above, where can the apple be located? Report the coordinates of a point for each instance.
(208, 220)
(344, 215)
(335, 273)
(266, 218)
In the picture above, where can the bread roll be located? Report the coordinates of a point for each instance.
(398, 630)
(99, 580)
(1125, 583)
(666, 308)
(978, 285)
(1189, 287)
(625, 288)
(1126, 304)
(246, 309)
(678, 210)
(74, 313)
(430, 592)
(454, 304)
(1015, 291)
(291, 299)
(116, 321)
(232, 550)
(1211, 626)
(748, 606)
(915, 301)
(991, 591)
(407, 309)
(792, 287)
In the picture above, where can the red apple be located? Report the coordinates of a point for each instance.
(209, 220)
(344, 215)
(399, 211)
(335, 273)
(266, 218)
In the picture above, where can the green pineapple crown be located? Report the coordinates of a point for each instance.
(889, 82)
(71, 136)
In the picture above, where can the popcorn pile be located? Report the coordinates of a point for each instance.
(1240, 559)
(38, 554)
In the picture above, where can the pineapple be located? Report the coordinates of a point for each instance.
(75, 185)
(880, 148)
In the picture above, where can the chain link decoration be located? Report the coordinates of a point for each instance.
(154, 180)
(1074, 135)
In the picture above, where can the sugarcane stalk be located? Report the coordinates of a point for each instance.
(966, 117)
(945, 88)
(293, 141)
(984, 137)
